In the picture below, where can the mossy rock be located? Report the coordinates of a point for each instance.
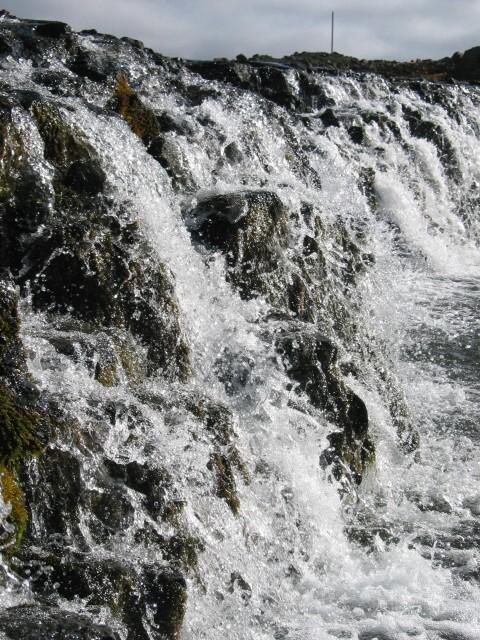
(225, 460)
(226, 487)
(148, 599)
(12, 354)
(19, 429)
(88, 258)
(17, 519)
(141, 120)
(76, 162)
(155, 132)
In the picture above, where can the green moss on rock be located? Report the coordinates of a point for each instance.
(19, 429)
(226, 487)
(141, 120)
(12, 495)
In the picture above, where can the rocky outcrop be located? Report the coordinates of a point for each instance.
(250, 227)
(467, 65)
(311, 361)
(75, 252)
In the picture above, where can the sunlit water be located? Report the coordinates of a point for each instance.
(303, 576)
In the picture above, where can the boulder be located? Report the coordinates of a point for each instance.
(147, 599)
(44, 622)
(250, 228)
(467, 65)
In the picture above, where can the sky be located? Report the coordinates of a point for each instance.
(205, 29)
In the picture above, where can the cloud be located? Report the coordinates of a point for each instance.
(401, 29)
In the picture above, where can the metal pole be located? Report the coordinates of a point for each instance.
(333, 24)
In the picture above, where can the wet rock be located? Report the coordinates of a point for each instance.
(149, 600)
(238, 583)
(113, 510)
(235, 370)
(221, 466)
(13, 527)
(153, 130)
(250, 227)
(473, 504)
(367, 186)
(433, 502)
(329, 119)
(433, 132)
(233, 153)
(155, 484)
(88, 260)
(23, 419)
(83, 176)
(356, 134)
(225, 459)
(43, 622)
(142, 121)
(92, 65)
(276, 81)
(54, 491)
(311, 360)
(384, 122)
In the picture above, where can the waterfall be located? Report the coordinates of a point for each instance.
(240, 349)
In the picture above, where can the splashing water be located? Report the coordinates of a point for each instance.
(399, 558)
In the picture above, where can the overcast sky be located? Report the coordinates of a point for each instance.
(401, 29)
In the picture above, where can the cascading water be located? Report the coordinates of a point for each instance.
(386, 201)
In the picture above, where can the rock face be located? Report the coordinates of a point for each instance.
(83, 257)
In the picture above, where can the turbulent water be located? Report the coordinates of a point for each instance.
(396, 557)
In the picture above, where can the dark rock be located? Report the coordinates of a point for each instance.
(52, 29)
(150, 129)
(329, 118)
(221, 466)
(250, 227)
(238, 583)
(467, 65)
(42, 622)
(137, 44)
(225, 459)
(87, 64)
(155, 484)
(233, 153)
(356, 134)
(113, 510)
(85, 177)
(234, 370)
(432, 132)
(278, 82)
(5, 46)
(87, 261)
(54, 491)
(311, 360)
